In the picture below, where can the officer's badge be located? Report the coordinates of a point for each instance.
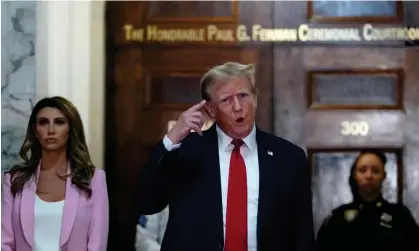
(350, 215)
(386, 217)
(386, 220)
(379, 204)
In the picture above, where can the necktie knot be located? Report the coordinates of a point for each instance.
(237, 143)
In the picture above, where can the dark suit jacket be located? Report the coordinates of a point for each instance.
(188, 180)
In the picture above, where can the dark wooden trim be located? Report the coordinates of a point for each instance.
(398, 18)
(377, 72)
(212, 20)
(397, 151)
(110, 132)
(149, 104)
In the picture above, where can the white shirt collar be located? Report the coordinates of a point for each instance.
(224, 141)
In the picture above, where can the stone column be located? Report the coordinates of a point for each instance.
(70, 42)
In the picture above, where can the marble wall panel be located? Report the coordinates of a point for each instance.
(18, 76)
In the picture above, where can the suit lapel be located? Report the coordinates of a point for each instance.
(211, 162)
(27, 204)
(266, 162)
(27, 208)
(70, 210)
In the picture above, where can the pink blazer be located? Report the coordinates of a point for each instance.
(85, 221)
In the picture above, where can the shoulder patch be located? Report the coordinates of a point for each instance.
(350, 214)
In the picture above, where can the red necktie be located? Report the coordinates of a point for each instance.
(236, 219)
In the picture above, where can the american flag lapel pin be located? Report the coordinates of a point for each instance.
(270, 153)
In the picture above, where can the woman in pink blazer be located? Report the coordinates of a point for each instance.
(56, 200)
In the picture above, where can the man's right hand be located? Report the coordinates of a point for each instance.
(191, 119)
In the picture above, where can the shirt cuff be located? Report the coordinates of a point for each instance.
(169, 145)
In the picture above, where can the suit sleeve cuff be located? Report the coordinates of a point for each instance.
(169, 145)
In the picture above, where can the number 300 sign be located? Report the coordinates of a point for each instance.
(354, 128)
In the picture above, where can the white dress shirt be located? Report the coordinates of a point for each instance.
(47, 225)
(250, 155)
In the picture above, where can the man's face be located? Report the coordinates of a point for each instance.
(233, 106)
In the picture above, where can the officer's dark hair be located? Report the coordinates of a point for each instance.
(352, 182)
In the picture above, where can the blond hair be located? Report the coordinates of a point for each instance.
(225, 72)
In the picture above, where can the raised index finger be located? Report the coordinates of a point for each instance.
(198, 106)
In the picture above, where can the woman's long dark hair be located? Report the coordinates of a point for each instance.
(352, 181)
(82, 169)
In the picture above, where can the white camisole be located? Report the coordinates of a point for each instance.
(47, 225)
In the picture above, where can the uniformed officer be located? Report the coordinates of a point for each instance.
(369, 222)
(150, 231)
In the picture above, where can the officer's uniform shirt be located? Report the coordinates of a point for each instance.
(371, 226)
(150, 231)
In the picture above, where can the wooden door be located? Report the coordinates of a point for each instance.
(334, 101)
(151, 82)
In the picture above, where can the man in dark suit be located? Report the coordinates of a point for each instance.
(232, 187)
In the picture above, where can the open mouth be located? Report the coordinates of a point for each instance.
(240, 120)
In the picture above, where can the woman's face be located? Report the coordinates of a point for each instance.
(369, 175)
(52, 129)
